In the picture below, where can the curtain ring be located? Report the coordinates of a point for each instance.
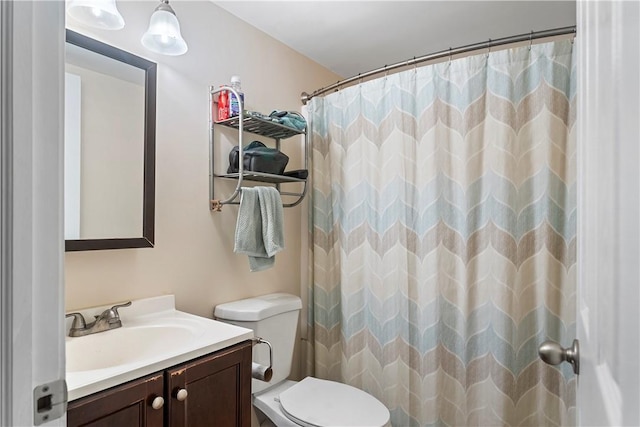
(415, 65)
(359, 79)
(530, 39)
(449, 53)
(489, 48)
(386, 71)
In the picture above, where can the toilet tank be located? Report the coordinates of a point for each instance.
(272, 317)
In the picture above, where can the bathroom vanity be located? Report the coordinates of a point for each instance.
(162, 367)
(214, 390)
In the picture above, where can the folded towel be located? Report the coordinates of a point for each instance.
(260, 228)
(287, 118)
(263, 116)
(290, 119)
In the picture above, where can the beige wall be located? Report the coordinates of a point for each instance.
(193, 256)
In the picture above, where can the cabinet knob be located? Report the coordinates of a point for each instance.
(181, 395)
(157, 403)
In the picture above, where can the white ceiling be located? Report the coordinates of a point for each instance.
(349, 37)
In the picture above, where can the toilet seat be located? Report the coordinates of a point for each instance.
(318, 403)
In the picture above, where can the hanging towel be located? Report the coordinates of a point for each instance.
(259, 229)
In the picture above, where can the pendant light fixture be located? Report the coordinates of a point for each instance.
(163, 35)
(96, 13)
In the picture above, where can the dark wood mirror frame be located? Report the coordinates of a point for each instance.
(150, 69)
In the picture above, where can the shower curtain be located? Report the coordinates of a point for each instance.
(443, 230)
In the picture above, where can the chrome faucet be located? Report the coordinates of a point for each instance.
(108, 319)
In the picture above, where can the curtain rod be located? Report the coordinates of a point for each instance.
(533, 35)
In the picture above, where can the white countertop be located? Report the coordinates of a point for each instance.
(154, 336)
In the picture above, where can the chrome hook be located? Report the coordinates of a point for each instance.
(449, 53)
(530, 39)
(489, 48)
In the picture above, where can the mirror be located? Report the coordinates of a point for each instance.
(110, 125)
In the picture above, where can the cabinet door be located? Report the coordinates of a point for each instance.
(125, 405)
(218, 390)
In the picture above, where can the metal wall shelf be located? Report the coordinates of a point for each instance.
(257, 126)
(262, 177)
(261, 127)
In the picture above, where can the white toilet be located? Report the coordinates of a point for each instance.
(311, 402)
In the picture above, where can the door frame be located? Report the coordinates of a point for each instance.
(31, 175)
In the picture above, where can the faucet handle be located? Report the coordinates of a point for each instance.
(117, 306)
(78, 320)
(112, 314)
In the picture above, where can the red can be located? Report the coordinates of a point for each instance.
(223, 105)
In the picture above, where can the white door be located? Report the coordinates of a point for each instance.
(32, 249)
(608, 42)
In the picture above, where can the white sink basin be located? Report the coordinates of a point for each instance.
(125, 345)
(153, 337)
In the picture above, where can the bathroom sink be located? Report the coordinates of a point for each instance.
(154, 336)
(124, 346)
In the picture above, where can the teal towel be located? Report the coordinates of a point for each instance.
(260, 228)
(290, 119)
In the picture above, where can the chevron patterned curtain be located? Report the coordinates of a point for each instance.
(444, 238)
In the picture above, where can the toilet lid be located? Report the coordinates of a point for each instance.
(320, 403)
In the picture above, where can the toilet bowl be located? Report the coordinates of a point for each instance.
(311, 402)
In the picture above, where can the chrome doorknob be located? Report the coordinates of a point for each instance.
(552, 353)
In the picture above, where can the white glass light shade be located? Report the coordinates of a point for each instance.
(163, 35)
(96, 13)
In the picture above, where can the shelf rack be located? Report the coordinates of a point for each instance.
(257, 126)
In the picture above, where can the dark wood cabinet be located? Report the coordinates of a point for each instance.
(213, 390)
(218, 390)
(125, 405)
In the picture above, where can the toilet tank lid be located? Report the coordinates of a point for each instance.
(257, 308)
